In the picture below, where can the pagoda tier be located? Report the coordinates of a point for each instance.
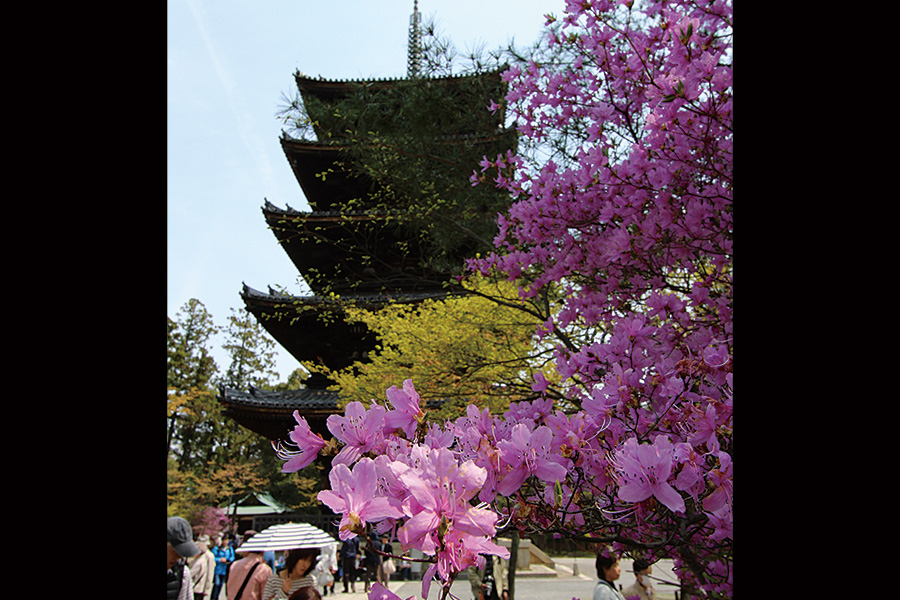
(328, 184)
(270, 414)
(320, 96)
(313, 328)
(325, 184)
(362, 252)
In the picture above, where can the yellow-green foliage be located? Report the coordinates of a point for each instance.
(463, 349)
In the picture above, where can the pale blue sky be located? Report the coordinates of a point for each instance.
(229, 64)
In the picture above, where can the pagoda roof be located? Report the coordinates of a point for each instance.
(312, 328)
(309, 160)
(362, 251)
(329, 87)
(320, 93)
(270, 413)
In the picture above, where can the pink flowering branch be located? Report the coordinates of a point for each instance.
(629, 227)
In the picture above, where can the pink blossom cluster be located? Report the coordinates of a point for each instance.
(436, 486)
(628, 227)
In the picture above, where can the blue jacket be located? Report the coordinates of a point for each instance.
(219, 552)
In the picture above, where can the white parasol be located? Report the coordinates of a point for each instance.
(287, 536)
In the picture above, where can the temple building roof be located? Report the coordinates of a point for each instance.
(313, 329)
(321, 95)
(366, 251)
(270, 413)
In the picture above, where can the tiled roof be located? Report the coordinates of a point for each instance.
(303, 400)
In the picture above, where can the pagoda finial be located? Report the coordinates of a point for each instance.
(414, 56)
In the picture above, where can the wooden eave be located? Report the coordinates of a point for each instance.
(359, 252)
(313, 328)
(331, 90)
(329, 186)
(270, 413)
(334, 88)
(325, 184)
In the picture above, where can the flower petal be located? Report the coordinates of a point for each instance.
(666, 494)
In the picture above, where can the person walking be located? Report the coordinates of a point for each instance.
(492, 581)
(643, 585)
(349, 551)
(608, 571)
(179, 547)
(326, 568)
(247, 577)
(203, 568)
(387, 566)
(224, 555)
(372, 561)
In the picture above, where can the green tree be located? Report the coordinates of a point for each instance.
(295, 381)
(205, 448)
(252, 352)
(463, 349)
(190, 368)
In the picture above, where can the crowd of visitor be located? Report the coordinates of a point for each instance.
(217, 569)
(200, 569)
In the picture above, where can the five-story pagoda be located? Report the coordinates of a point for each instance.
(392, 217)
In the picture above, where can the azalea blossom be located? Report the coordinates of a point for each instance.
(722, 481)
(359, 429)
(528, 453)
(439, 493)
(706, 429)
(353, 495)
(460, 551)
(644, 469)
(307, 444)
(407, 414)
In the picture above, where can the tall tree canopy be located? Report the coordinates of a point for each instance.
(211, 458)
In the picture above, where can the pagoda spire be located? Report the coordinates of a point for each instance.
(414, 52)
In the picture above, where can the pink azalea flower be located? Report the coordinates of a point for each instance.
(528, 453)
(644, 470)
(353, 495)
(540, 382)
(407, 414)
(706, 430)
(722, 481)
(307, 443)
(716, 356)
(723, 523)
(439, 493)
(436, 437)
(359, 429)
(690, 478)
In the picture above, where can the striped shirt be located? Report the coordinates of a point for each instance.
(273, 587)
